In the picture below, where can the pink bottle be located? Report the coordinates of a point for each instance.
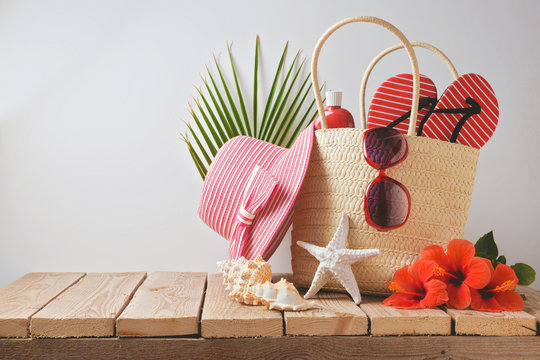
(336, 116)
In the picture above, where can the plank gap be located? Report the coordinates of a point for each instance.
(88, 308)
(23, 298)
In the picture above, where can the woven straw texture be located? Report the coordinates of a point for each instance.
(440, 178)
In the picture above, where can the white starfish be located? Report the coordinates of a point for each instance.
(336, 260)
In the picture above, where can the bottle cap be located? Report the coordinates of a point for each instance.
(333, 98)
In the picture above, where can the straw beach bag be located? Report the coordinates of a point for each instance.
(438, 174)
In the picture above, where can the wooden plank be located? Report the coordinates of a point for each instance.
(337, 315)
(286, 347)
(224, 317)
(88, 308)
(386, 320)
(532, 304)
(514, 323)
(24, 297)
(166, 304)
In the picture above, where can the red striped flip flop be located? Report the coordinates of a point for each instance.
(467, 113)
(391, 103)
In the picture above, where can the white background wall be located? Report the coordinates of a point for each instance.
(94, 177)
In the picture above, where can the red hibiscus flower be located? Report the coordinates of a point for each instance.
(414, 287)
(498, 294)
(459, 269)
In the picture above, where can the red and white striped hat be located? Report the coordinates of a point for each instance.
(249, 191)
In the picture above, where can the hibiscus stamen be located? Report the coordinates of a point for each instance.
(395, 287)
(438, 271)
(508, 285)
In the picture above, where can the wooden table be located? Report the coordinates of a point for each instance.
(168, 315)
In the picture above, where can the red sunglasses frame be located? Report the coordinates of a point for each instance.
(383, 177)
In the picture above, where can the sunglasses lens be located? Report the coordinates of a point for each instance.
(387, 203)
(384, 147)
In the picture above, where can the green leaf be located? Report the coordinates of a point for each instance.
(290, 122)
(221, 114)
(305, 120)
(272, 90)
(200, 145)
(287, 121)
(273, 116)
(219, 140)
(209, 143)
(525, 273)
(234, 110)
(501, 259)
(225, 115)
(486, 244)
(276, 118)
(196, 159)
(483, 255)
(523, 297)
(239, 93)
(220, 118)
(255, 85)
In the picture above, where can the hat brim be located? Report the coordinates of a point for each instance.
(272, 223)
(227, 178)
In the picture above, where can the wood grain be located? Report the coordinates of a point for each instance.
(532, 304)
(88, 308)
(336, 314)
(27, 295)
(166, 304)
(285, 347)
(514, 323)
(386, 320)
(224, 317)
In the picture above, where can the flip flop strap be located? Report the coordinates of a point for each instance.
(451, 67)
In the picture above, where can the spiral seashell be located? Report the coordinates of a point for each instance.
(239, 275)
(280, 296)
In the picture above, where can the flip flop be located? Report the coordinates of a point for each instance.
(467, 113)
(391, 103)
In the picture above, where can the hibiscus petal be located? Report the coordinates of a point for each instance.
(403, 278)
(477, 273)
(484, 304)
(436, 253)
(459, 297)
(422, 270)
(460, 253)
(488, 264)
(435, 294)
(402, 301)
(510, 300)
(501, 275)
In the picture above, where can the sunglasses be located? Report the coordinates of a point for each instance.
(387, 202)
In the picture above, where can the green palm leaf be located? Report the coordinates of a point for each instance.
(198, 163)
(273, 89)
(199, 144)
(239, 92)
(255, 85)
(218, 115)
(275, 118)
(202, 131)
(230, 99)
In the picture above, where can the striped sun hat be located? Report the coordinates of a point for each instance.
(249, 191)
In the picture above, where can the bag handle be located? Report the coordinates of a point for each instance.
(406, 44)
(451, 67)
